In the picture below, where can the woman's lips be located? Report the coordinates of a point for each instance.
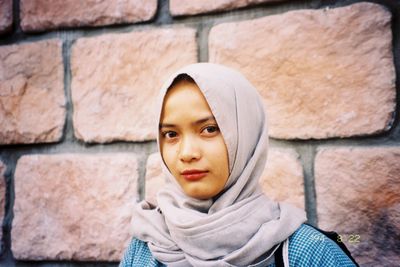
(194, 176)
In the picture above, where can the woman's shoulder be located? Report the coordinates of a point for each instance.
(309, 247)
(138, 254)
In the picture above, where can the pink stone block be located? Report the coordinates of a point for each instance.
(326, 73)
(32, 98)
(190, 7)
(358, 195)
(116, 78)
(73, 206)
(6, 16)
(283, 179)
(39, 15)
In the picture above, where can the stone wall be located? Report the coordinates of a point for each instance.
(77, 144)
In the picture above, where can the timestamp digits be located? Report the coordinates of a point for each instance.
(352, 238)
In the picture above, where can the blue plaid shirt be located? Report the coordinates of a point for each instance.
(307, 247)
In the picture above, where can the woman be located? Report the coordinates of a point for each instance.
(213, 141)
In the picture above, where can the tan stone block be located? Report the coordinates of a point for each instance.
(327, 73)
(32, 98)
(116, 78)
(283, 179)
(42, 15)
(2, 198)
(190, 7)
(73, 206)
(155, 180)
(6, 15)
(358, 195)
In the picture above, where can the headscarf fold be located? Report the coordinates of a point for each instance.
(241, 224)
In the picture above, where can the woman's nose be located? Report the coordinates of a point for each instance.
(189, 149)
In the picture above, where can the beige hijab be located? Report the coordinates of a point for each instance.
(242, 224)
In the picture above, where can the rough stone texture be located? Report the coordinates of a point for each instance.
(73, 206)
(154, 178)
(6, 16)
(327, 73)
(42, 15)
(283, 179)
(2, 200)
(32, 99)
(358, 193)
(190, 7)
(116, 78)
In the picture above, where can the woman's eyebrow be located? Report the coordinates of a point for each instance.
(203, 120)
(200, 121)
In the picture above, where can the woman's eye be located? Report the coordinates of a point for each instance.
(210, 129)
(169, 134)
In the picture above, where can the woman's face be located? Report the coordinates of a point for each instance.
(191, 143)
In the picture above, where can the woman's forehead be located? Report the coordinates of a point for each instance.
(185, 98)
